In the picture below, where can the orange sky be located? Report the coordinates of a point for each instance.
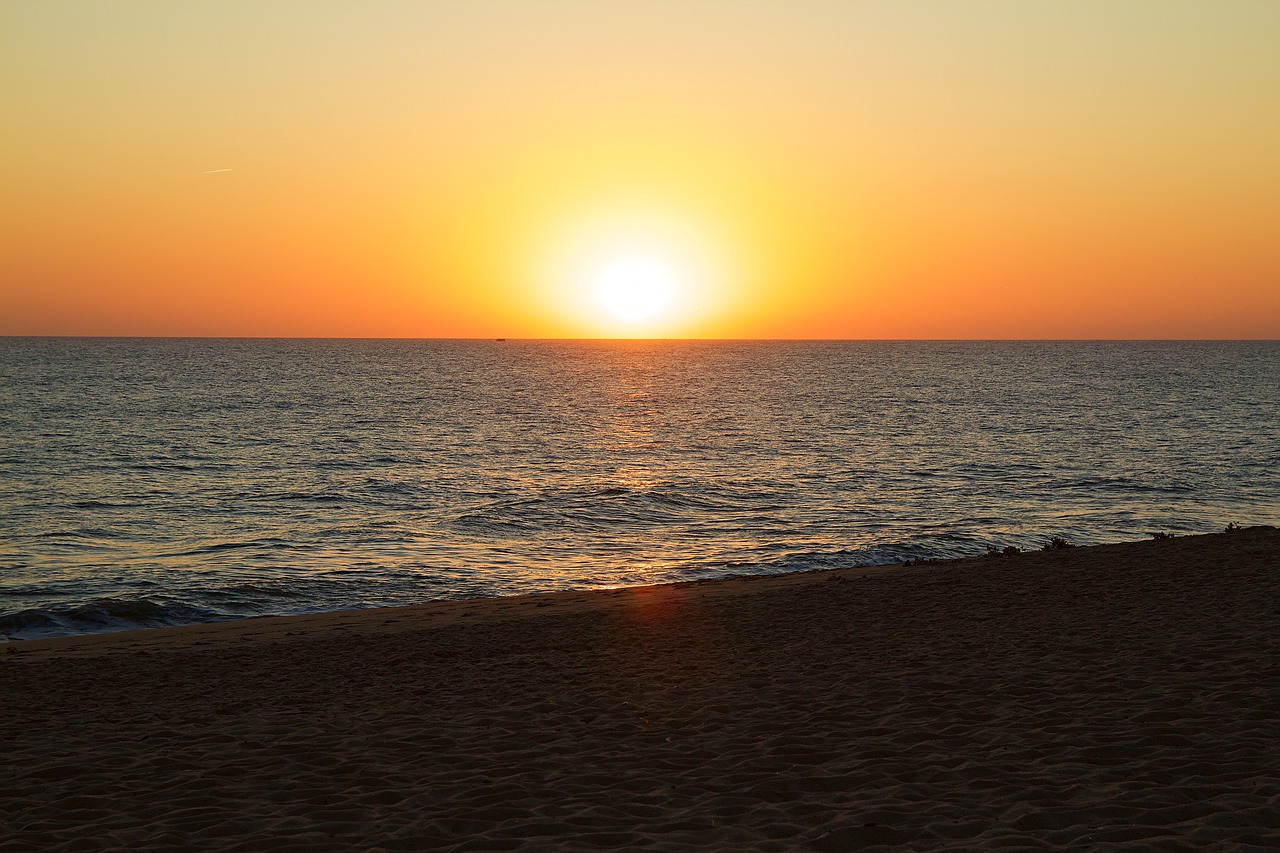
(803, 169)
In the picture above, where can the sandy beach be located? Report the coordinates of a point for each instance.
(1114, 697)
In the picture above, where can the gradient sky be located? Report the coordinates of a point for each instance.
(805, 169)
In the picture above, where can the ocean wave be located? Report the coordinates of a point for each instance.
(242, 590)
(1145, 482)
(613, 506)
(100, 504)
(220, 547)
(296, 496)
(838, 558)
(87, 534)
(162, 466)
(99, 615)
(392, 487)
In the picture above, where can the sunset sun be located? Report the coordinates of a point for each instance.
(634, 287)
(614, 270)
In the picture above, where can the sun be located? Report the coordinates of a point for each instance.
(634, 287)
(627, 273)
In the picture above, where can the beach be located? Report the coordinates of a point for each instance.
(1112, 697)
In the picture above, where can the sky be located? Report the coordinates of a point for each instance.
(831, 169)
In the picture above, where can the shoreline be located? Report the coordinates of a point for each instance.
(1104, 696)
(272, 627)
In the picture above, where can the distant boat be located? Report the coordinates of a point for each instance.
(500, 340)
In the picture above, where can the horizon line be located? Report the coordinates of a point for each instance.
(518, 339)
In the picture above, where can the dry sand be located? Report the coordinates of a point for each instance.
(1118, 697)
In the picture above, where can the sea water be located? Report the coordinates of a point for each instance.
(151, 482)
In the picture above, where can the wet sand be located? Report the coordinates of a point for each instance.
(1116, 697)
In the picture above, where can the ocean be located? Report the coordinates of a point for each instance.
(148, 482)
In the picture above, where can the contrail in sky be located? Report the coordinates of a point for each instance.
(211, 171)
